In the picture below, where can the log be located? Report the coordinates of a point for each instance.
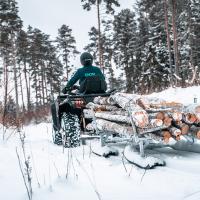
(175, 131)
(123, 100)
(195, 132)
(164, 105)
(104, 125)
(164, 116)
(128, 102)
(151, 129)
(143, 103)
(166, 136)
(198, 135)
(112, 117)
(156, 122)
(90, 127)
(97, 107)
(176, 115)
(119, 112)
(193, 109)
(101, 100)
(160, 115)
(167, 121)
(189, 118)
(89, 113)
(123, 129)
(162, 137)
(140, 117)
(182, 126)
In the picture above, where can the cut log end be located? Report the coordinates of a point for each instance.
(167, 121)
(197, 109)
(160, 115)
(198, 134)
(178, 137)
(156, 122)
(190, 118)
(177, 116)
(166, 136)
(185, 129)
(140, 118)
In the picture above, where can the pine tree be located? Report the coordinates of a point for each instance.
(66, 44)
(125, 42)
(108, 54)
(53, 72)
(108, 51)
(45, 68)
(187, 25)
(152, 32)
(10, 24)
(36, 60)
(92, 47)
(108, 4)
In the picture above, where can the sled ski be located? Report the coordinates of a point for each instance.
(131, 154)
(104, 151)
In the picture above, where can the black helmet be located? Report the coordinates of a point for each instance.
(86, 59)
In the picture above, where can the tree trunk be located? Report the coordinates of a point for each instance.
(42, 82)
(168, 40)
(36, 87)
(27, 87)
(15, 79)
(5, 91)
(190, 32)
(67, 70)
(176, 55)
(45, 86)
(22, 94)
(99, 37)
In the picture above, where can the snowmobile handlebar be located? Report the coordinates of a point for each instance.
(74, 96)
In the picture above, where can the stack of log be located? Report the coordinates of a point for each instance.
(164, 122)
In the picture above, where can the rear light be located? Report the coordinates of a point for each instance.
(79, 104)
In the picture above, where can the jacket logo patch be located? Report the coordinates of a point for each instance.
(89, 74)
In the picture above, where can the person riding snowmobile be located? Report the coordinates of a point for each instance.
(88, 70)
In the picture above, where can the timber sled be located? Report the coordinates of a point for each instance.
(142, 125)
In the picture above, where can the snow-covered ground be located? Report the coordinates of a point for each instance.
(181, 95)
(78, 174)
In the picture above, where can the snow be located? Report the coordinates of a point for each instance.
(92, 177)
(182, 95)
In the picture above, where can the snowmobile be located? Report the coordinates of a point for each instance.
(68, 126)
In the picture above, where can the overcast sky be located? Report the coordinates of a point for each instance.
(49, 15)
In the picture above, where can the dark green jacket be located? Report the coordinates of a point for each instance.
(83, 73)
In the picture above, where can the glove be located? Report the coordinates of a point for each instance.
(64, 90)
